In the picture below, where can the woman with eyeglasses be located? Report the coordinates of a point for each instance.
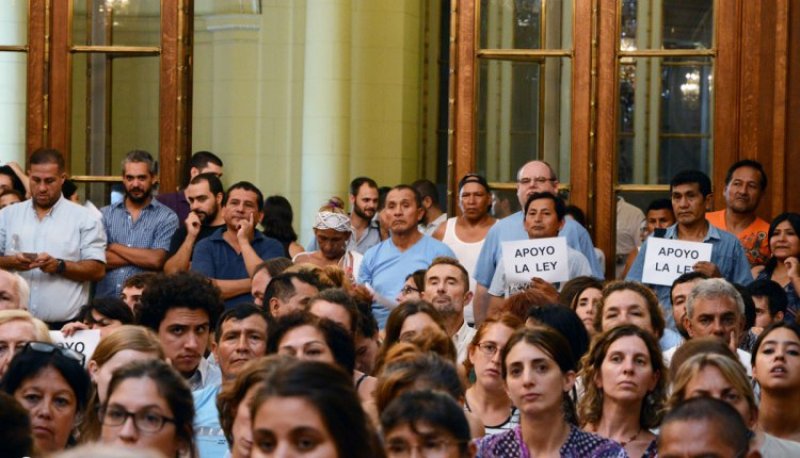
(487, 397)
(539, 372)
(413, 287)
(125, 345)
(149, 405)
(53, 387)
(426, 422)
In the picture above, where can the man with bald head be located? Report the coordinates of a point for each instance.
(533, 177)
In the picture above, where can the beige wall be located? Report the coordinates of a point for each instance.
(310, 94)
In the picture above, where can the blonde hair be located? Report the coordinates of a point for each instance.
(731, 369)
(40, 329)
(127, 337)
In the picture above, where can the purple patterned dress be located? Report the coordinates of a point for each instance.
(579, 444)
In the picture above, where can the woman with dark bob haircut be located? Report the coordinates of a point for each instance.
(783, 267)
(319, 399)
(298, 334)
(104, 313)
(625, 388)
(149, 405)
(428, 421)
(53, 387)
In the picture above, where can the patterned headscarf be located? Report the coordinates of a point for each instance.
(329, 220)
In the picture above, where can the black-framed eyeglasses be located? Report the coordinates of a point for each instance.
(144, 420)
(44, 347)
(408, 290)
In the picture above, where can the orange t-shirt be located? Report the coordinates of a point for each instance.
(753, 239)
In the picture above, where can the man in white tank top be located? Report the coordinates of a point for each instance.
(465, 234)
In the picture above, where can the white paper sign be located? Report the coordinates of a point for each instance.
(668, 259)
(544, 258)
(83, 342)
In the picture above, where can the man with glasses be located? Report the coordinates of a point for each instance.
(533, 177)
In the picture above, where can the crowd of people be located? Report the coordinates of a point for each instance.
(398, 331)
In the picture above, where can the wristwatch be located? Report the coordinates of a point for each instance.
(61, 267)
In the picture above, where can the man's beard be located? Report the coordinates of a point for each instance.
(138, 200)
(207, 218)
(361, 213)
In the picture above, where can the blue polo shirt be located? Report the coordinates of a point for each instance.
(727, 253)
(215, 258)
(512, 228)
(210, 437)
(385, 269)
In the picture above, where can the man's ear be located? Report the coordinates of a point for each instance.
(687, 324)
(274, 306)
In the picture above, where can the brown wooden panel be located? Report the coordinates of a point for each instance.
(791, 189)
(727, 90)
(774, 202)
(60, 78)
(605, 166)
(169, 97)
(465, 103)
(582, 128)
(35, 136)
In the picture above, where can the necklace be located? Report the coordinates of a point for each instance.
(624, 443)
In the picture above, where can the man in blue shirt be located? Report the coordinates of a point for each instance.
(386, 265)
(231, 255)
(691, 195)
(240, 337)
(139, 227)
(533, 177)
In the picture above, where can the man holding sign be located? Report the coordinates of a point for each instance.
(713, 252)
(543, 255)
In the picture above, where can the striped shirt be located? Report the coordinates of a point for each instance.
(152, 230)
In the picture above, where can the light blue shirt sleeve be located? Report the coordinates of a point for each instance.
(487, 260)
(93, 239)
(741, 267)
(637, 269)
(578, 238)
(365, 272)
(498, 286)
(164, 232)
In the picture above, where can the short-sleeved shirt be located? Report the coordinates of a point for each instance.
(511, 228)
(176, 201)
(754, 239)
(576, 262)
(385, 269)
(210, 437)
(152, 230)
(726, 253)
(68, 231)
(180, 235)
(215, 258)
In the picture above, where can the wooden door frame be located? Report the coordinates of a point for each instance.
(49, 84)
(753, 115)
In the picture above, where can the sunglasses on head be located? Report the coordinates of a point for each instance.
(47, 348)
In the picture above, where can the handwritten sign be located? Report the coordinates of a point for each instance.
(544, 258)
(667, 259)
(83, 342)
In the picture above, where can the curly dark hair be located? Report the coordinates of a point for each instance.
(181, 290)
